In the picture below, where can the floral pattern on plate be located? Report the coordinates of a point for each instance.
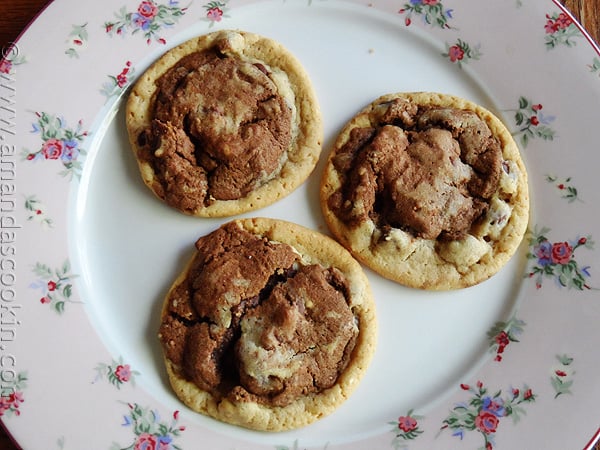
(483, 411)
(215, 11)
(116, 373)
(36, 211)
(77, 41)
(56, 285)
(149, 19)
(406, 429)
(560, 30)
(12, 395)
(462, 52)
(432, 12)
(116, 84)
(59, 143)
(564, 187)
(532, 122)
(10, 57)
(563, 376)
(556, 260)
(149, 430)
(502, 334)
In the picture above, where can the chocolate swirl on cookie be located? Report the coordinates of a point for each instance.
(251, 321)
(270, 326)
(220, 129)
(427, 189)
(224, 123)
(428, 170)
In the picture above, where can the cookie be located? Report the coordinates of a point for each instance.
(224, 123)
(270, 326)
(427, 189)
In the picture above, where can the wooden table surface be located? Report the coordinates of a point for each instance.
(16, 14)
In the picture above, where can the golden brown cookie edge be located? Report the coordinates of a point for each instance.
(305, 152)
(311, 408)
(396, 270)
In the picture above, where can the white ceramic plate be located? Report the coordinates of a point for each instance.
(87, 252)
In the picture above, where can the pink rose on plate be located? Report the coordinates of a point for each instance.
(123, 373)
(561, 252)
(52, 148)
(551, 27)
(5, 66)
(455, 53)
(16, 398)
(147, 9)
(407, 423)
(486, 422)
(563, 21)
(215, 14)
(146, 441)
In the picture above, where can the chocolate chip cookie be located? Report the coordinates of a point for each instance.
(224, 123)
(270, 326)
(427, 189)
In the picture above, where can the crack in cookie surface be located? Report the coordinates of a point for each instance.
(251, 321)
(428, 170)
(224, 123)
(220, 119)
(427, 189)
